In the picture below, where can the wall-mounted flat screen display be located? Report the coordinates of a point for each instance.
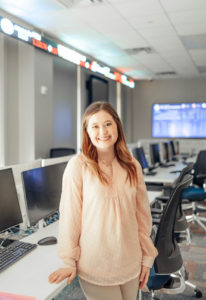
(179, 120)
(98, 89)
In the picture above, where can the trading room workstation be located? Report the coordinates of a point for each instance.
(32, 270)
(42, 188)
(38, 231)
(156, 133)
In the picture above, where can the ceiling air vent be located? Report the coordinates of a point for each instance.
(68, 3)
(138, 50)
(73, 3)
(166, 73)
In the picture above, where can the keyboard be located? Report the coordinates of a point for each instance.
(151, 173)
(13, 252)
(167, 165)
(175, 171)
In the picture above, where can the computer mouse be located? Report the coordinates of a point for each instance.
(49, 240)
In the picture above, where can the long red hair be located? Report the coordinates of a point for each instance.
(121, 151)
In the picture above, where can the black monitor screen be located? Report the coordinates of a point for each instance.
(10, 213)
(141, 157)
(179, 120)
(43, 190)
(172, 147)
(154, 153)
(98, 89)
(166, 152)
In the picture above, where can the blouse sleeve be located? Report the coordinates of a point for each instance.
(149, 252)
(70, 214)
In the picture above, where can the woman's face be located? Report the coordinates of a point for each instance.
(102, 130)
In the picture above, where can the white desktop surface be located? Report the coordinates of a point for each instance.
(161, 177)
(152, 195)
(29, 275)
(163, 174)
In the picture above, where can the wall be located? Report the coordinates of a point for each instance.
(65, 104)
(26, 108)
(31, 122)
(2, 100)
(12, 117)
(127, 112)
(162, 91)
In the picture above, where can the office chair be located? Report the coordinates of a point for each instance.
(169, 263)
(160, 201)
(182, 232)
(197, 192)
(57, 152)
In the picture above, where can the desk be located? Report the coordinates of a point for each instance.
(29, 276)
(163, 174)
(152, 195)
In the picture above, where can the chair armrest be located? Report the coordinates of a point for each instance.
(156, 210)
(201, 176)
(153, 233)
(162, 198)
(155, 221)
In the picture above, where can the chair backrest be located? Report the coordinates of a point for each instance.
(200, 168)
(184, 171)
(181, 222)
(57, 152)
(169, 259)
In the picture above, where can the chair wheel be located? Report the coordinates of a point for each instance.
(198, 293)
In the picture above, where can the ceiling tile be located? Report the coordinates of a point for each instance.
(191, 29)
(174, 29)
(149, 21)
(139, 7)
(188, 17)
(128, 43)
(202, 70)
(194, 41)
(182, 5)
(158, 32)
(141, 74)
(199, 56)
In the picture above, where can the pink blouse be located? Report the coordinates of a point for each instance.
(104, 230)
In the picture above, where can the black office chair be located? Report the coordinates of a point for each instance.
(169, 260)
(160, 201)
(196, 193)
(57, 152)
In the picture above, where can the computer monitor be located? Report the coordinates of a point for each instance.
(173, 151)
(172, 145)
(154, 154)
(42, 187)
(167, 155)
(9, 204)
(140, 156)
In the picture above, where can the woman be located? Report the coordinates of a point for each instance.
(105, 221)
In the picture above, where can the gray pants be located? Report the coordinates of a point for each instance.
(126, 291)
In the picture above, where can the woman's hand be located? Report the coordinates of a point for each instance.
(62, 273)
(144, 275)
